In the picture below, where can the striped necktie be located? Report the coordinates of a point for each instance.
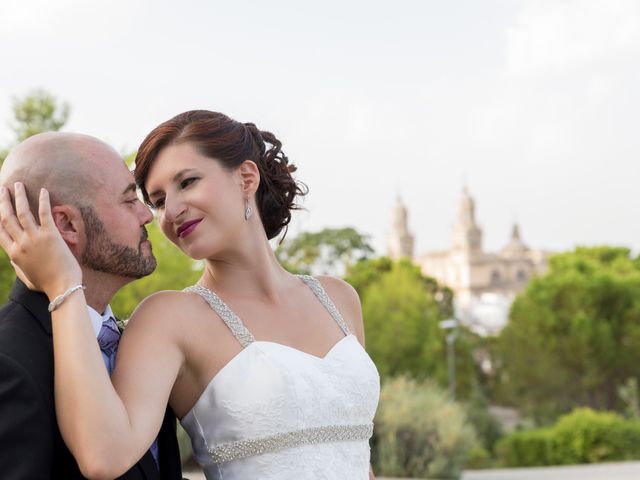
(108, 340)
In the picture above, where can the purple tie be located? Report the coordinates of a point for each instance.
(108, 339)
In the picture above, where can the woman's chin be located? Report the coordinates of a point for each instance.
(194, 252)
(199, 249)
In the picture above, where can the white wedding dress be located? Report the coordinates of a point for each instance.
(275, 412)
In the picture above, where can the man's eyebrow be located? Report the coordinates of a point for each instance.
(175, 178)
(130, 188)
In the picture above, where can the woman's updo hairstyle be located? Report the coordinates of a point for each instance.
(230, 142)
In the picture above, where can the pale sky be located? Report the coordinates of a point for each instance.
(533, 103)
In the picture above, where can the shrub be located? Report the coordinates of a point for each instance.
(486, 426)
(583, 436)
(527, 448)
(420, 432)
(586, 436)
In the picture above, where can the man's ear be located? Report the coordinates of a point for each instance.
(70, 224)
(249, 176)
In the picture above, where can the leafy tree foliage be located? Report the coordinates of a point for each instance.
(329, 251)
(38, 112)
(574, 335)
(401, 310)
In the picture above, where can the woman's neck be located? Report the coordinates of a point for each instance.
(251, 269)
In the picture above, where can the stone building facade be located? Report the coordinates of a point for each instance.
(484, 283)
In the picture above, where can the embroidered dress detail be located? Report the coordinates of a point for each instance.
(246, 448)
(274, 412)
(319, 292)
(244, 336)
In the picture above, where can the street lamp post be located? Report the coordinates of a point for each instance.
(451, 326)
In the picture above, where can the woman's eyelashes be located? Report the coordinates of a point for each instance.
(188, 181)
(158, 203)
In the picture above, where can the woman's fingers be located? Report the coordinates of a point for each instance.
(23, 212)
(10, 225)
(44, 210)
(19, 225)
(5, 239)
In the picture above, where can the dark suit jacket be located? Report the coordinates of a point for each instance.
(31, 447)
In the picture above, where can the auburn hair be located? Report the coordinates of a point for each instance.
(230, 142)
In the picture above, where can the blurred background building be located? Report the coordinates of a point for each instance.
(485, 283)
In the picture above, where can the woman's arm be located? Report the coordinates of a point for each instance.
(106, 430)
(108, 427)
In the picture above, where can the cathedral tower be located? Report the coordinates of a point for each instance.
(400, 242)
(467, 235)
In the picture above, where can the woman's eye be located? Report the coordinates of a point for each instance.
(158, 203)
(187, 181)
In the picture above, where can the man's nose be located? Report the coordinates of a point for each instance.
(146, 215)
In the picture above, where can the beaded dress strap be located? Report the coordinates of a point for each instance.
(319, 292)
(242, 334)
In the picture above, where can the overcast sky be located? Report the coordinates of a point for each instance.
(533, 103)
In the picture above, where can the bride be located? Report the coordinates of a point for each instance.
(266, 370)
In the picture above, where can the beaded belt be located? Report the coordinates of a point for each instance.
(228, 452)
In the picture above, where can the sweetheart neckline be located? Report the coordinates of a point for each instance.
(268, 342)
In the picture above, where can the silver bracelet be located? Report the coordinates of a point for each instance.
(55, 303)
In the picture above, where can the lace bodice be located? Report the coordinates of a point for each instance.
(275, 412)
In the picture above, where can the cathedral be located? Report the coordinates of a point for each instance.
(484, 283)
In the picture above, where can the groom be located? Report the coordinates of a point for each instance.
(102, 220)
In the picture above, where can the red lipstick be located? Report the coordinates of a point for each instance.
(187, 227)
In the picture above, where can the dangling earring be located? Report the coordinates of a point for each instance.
(248, 211)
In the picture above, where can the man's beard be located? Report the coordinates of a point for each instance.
(104, 255)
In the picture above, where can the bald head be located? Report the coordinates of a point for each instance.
(70, 165)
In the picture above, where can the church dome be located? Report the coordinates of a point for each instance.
(516, 246)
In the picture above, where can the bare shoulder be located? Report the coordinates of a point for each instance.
(165, 308)
(347, 301)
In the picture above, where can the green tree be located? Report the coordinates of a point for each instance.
(574, 335)
(329, 251)
(175, 271)
(37, 112)
(401, 310)
(365, 272)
